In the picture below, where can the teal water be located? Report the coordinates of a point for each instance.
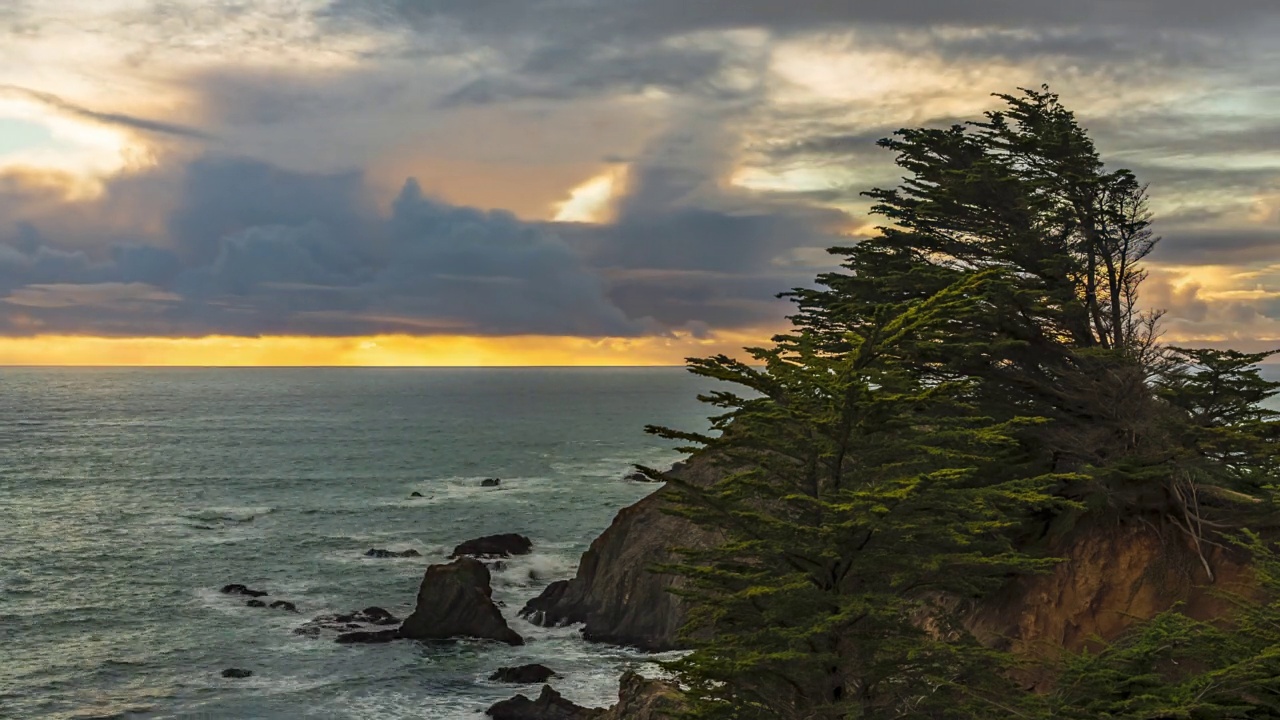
(128, 497)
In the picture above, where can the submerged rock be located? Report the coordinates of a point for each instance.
(524, 674)
(343, 623)
(550, 705)
(638, 476)
(236, 673)
(369, 636)
(415, 493)
(238, 589)
(373, 615)
(495, 546)
(491, 482)
(380, 553)
(284, 605)
(455, 600)
(255, 603)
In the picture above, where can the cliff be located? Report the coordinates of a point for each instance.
(614, 594)
(1112, 575)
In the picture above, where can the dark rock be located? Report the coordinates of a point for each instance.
(524, 674)
(379, 553)
(369, 636)
(238, 589)
(376, 616)
(455, 600)
(415, 493)
(236, 673)
(614, 593)
(255, 603)
(491, 482)
(495, 546)
(549, 706)
(639, 477)
(354, 620)
(283, 605)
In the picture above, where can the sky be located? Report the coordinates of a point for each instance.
(561, 182)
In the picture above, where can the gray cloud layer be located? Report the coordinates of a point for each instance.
(270, 242)
(252, 249)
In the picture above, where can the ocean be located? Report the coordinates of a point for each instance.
(128, 497)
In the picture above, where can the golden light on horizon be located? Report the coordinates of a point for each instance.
(371, 351)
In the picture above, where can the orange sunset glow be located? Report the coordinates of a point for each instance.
(373, 351)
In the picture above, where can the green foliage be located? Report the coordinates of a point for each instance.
(867, 504)
(977, 370)
(1233, 439)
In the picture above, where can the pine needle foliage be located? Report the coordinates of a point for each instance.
(868, 505)
(975, 373)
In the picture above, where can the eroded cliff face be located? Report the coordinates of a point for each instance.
(1113, 574)
(614, 594)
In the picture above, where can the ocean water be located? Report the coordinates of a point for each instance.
(128, 497)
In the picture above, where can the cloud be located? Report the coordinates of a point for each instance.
(70, 109)
(252, 249)
(648, 18)
(1215, 245)
(745, 131)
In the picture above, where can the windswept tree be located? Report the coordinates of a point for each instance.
(866, 505)
(977, 372)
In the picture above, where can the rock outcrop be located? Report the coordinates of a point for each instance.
(524, 674)
(494, 546)
(356, 620)
(491, 482)
(614, 594)
(640, 698)
(380, 553)
(238, 589)
(455, 600)
(236, 673)
(1112, 575)
(550, 705)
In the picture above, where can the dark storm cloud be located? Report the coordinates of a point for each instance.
(564, 72)
(220, 196)
(557, 49)
(1217, 246)
(650, 18)
(253, 249)
(105, 118)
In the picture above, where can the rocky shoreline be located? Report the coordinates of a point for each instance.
(1105, 584)
(455, 601)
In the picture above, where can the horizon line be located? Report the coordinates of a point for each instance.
(333, 367)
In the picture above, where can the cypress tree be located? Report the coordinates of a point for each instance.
(975, 373)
